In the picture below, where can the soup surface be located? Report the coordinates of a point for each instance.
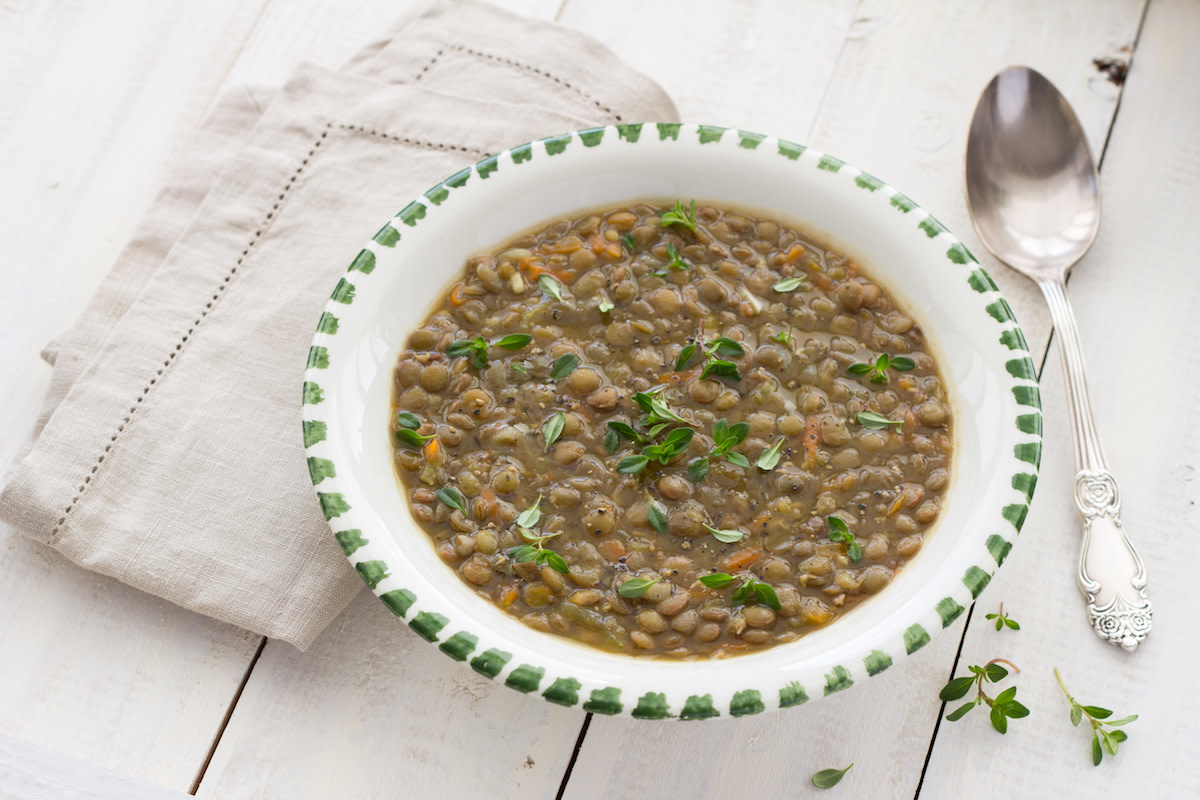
(671, 430)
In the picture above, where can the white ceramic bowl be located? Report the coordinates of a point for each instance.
(391, 285)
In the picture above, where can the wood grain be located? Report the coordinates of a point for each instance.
(1132, 309)
(100, 681)
(372, 710)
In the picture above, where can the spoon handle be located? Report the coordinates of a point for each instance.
(1111, 574)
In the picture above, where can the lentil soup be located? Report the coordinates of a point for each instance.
(671, 430)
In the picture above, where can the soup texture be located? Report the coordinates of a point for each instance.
(671, 430)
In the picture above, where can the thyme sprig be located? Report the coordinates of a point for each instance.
(877, 371)
(1003, 620)
(840, 533)
(1103, 741)
(876, 422)
(725, 438)
(750, 587)
(1004, 706)
(476, 350)
(534, 548)
(715, 355)
(683, 217)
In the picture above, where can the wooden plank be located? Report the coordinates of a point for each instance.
(104, 673)
(372, 710)
(897, 104)
(908, 78)
(34, 773)
(760, 66)
(92, 100)
(1132, 308)
(371, 707)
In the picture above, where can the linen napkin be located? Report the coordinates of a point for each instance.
(168, 453)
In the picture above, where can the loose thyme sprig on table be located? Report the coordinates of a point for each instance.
(828, 778)
(1003, 621)
(1103, 741)
(1004, 706)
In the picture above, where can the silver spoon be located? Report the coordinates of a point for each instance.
(1034, 197)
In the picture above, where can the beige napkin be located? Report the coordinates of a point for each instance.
(169, 452)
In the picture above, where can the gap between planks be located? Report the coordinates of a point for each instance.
(229, 715)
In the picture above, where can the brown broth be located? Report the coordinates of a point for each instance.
(640, 293)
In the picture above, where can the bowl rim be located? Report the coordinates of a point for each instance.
(571, 674)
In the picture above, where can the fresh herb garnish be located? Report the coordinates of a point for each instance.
(770, 457)
(838, 532)
(763, 591)
(636, 587)
(534, 550)
(725, 438)
(450, 496)
(783, 337)
(629, 243)
(788, 284)
(413, 439)
(624, 430)
(1004, 706)
(520, 368)
(658, 519)
(1003, 621)
(673, 445)
(549, 286)
(750, 587)
(875, 422)
(711, 353)
(605, 306)
(717, 580)
(656, 411)
(563, 366)
(1103, 741)
(407, 419)
(553, 428)
(828, 778)
(532, 515)
(514, 341)
(477, 349)
(680, 216)
(676, 261)
(877, 370)
(727, 536)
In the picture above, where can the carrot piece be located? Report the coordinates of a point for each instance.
(795, 253)
(602, 246)
(456, 294)
(742, 559)
(810, 438)
(432, 452)
(506, 594)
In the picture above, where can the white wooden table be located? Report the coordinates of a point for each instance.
(109, 693)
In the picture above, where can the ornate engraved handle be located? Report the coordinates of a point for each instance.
(1111, 574)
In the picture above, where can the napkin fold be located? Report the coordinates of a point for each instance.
(168, 453)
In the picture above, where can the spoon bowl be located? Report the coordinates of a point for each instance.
(1034, 197)
(1032, 183)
